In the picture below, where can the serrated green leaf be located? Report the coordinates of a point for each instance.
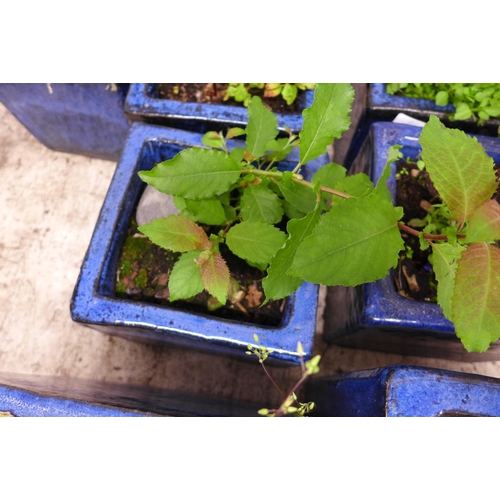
(329, 175)
(261, 128)
(255, 241)
(207, 211)
(176, 233)
(326, 119)
(302, 197)
(459, 167)
(484, 224)
(278, 283)
(476, 298)
(185, 279)
(381, 190)
(357, 185)
(357, 242)
(194, 173)
(215, 274)
(258, 203)
(444, 259)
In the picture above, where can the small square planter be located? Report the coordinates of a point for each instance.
(142, 104)
(43, 396)
(80, 118)
(405, 391)
(381, 106)
(96, 305)
(374, 316)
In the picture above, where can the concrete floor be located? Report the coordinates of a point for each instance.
(49, 205)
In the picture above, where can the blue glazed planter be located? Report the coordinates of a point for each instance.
(94, 302)
(381, 106)
(142, 104)
(374, 316)
(39, 396)
(80, 118)
(405, 391)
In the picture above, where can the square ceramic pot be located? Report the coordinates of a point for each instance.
(44, 396)
(143, 104)
(374, 316)
(95, 303)
(381, 106)
(80, 118)
(405, 391)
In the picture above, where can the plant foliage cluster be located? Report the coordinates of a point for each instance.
(340, 229)
(480, 101)
(240, 92)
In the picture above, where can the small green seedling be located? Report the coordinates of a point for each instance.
(240, 92)
(335, 229)
(480, 101)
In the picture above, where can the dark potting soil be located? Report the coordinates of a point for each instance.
(143, 270)
(213, 93)
(414, 277)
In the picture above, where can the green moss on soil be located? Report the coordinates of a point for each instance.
(143, 270)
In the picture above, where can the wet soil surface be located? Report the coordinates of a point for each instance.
(214, 93)
(144, 268)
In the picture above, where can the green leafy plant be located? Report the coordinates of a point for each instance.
(291, 405)
(340, 229)
(241, 92)
(480, 101)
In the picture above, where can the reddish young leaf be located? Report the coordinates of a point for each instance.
(476, 298)
(459, 167)
(214, 274)
(176, 233)
(484, 224)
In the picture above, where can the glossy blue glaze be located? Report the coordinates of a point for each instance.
(94, 302)
(381, 106)
(142, 105)
(80, 118)
(375, 316)
(43, 396)
(405, 391)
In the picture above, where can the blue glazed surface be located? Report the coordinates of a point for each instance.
(405, 391)
(95, 304)
(45, 396)
(140, 103)
(78, 118)
(379, 307)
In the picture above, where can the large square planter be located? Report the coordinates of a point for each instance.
(381, 106)
(374, 316)
(405, 391)
(80, 118)
(142, 104)
(96, 305)
(45, 396)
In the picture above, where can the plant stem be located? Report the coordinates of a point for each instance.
(271, 379)
(427, 236)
